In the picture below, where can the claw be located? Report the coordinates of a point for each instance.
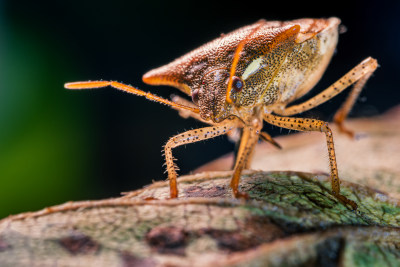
(241, 195)
(346, 201)
(344, 130)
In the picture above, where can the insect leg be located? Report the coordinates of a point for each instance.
(188, 137)
(344, 110)
(267, 138)
(264, 136)
(234, 136)
(302, 124)
(358, 75)
(248, 141)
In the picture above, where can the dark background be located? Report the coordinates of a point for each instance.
(58, 145)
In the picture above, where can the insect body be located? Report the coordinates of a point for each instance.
(250, 76)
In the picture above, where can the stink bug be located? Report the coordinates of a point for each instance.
(249, 76)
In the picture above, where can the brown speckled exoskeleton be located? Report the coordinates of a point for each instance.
(249, 76)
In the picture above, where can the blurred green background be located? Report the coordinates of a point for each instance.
(58, 145)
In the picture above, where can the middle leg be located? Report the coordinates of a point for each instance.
(248, 141)
(303, 124)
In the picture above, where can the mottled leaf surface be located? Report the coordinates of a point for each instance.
(290, 219)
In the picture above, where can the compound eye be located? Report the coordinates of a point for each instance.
(195, 97)
(237, 84)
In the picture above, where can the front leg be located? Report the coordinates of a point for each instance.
(188, 137)
(302, 124)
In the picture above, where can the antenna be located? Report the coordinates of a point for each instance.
(128, 89)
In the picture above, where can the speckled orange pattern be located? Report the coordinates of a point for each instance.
(243, 78)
